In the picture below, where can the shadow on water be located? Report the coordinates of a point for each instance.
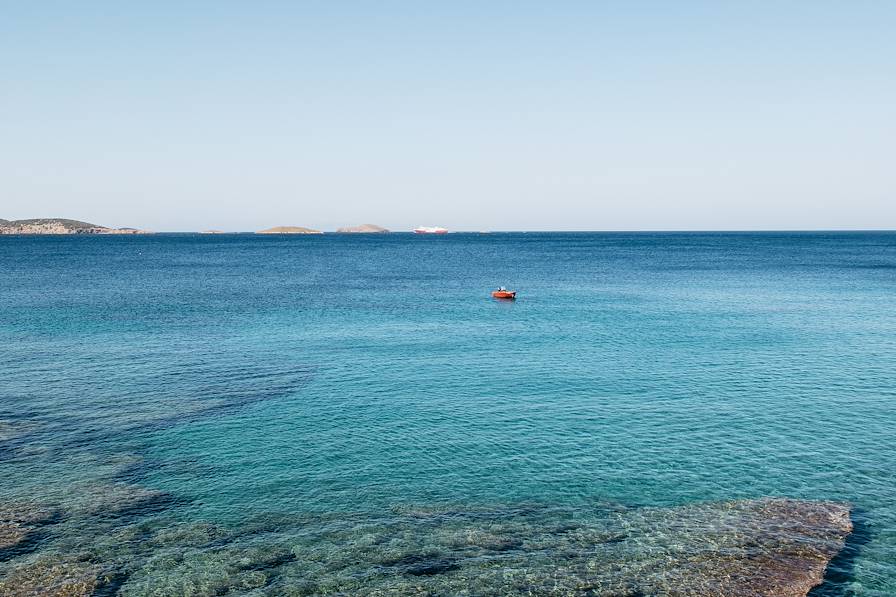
(840, 572)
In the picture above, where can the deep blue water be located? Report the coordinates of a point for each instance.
(248, 377)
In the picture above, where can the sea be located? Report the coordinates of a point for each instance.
(240, 414)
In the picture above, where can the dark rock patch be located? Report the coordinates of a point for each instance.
(266, 561)
(112, 583)
(420, 565)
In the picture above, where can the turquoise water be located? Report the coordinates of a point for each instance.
(244, 382)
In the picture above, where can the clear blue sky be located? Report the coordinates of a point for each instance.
(469, 115)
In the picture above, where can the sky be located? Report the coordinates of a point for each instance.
(513, 115)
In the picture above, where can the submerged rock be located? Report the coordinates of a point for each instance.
(112, 499)
(230, 570)
(15, 436)
(18, 521)
(747, 548)
(752, 548)
(768, 547)
(11, 534)
(47, 577)
(189, 535)
(10, 430)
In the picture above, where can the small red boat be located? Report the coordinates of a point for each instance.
(503, 293)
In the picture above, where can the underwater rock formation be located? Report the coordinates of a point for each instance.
(10, 430)
(14, 435)
(11, 534)
(47, 577)
(110, 499)
(755, 548)
(17, 521)
(768, 547)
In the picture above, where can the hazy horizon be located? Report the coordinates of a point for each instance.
(697, 116)
(492, 230)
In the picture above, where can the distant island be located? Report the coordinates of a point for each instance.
(289, 230)
(60, 226)
(363, 229)
(212, 232)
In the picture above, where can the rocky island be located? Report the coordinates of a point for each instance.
(289, 230)
(363, 229)
(60, 226)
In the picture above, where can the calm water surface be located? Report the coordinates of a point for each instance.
(242, 380)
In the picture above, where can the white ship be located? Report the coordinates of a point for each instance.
(427, 230)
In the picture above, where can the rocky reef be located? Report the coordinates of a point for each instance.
(51, 577)
(363, 229)
(289, 230)
(60, 226)
(764, 547)
(20, 524)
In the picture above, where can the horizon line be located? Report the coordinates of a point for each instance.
(534, 230)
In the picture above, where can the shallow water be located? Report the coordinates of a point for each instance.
(242, 384)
